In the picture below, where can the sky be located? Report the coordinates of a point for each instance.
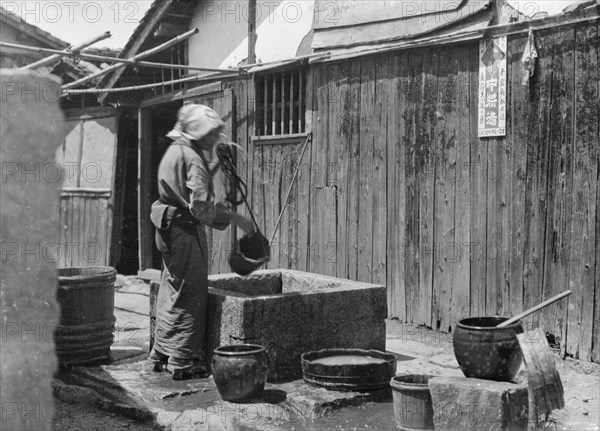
(77, 21)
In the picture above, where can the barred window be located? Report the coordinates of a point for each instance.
(281, 103)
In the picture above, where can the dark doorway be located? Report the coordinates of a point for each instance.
(126, 225)
(163, 119)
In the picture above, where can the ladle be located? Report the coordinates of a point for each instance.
(533, 309)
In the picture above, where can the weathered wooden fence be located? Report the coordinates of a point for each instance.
(85, 167)
(398, 188)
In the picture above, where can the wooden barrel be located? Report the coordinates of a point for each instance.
(545, 387)
(87, 301)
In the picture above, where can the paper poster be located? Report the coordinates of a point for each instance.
(492, 87)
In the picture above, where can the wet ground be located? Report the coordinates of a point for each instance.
(370, 416)
(419, 351)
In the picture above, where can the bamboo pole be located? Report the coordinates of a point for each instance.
(30, 48)
(197, 78)
(300, 57)
(139, 56)
(87, 56)
(68, 51)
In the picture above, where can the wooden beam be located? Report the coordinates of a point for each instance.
(252, 32)
(137, 44)
(183, 16)
(145, 244)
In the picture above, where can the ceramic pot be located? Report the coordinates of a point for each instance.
(484, 351)
(240, 371)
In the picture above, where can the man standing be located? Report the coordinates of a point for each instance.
(185, 206)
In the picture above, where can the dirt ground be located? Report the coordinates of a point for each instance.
(79, 417)
(581, 382)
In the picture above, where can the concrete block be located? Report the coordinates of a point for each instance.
(32, 127)
(464, 404)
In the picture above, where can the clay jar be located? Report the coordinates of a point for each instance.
(486, 352)
(240, 371)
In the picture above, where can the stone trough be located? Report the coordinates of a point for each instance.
(292, 312)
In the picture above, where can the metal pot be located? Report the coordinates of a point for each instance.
(486, 352)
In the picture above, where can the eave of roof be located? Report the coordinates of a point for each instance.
(158, 11)
(32, 30)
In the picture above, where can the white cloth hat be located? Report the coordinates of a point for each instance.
(195, 122)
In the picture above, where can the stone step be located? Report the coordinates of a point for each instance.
(461, 403)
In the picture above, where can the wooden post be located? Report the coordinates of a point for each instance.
(252, 32)
(144, 165)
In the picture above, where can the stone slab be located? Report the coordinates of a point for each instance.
(197, 403)
(133, 302)
(132, 284)
(138, 381)
(466, 404)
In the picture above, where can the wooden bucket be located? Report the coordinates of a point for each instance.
(413, 407)
(545, 387)
(86, 297)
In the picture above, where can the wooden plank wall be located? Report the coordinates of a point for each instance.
(401, 191)
(85, 233)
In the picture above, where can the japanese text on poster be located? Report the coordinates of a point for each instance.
(492, 87)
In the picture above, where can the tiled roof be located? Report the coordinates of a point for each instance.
(31, 30)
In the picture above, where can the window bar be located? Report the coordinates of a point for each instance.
(162, 77)
(179, 63)
(301, 101)
(282, 103)
(291, 99)
(172, 71)
(265, 105)
(274, 94)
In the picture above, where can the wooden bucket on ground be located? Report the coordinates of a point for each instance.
(87, 298)
(545, 387)
(413, 407)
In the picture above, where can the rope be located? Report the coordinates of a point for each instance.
(227, 161)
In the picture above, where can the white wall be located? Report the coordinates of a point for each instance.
(223, 38)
